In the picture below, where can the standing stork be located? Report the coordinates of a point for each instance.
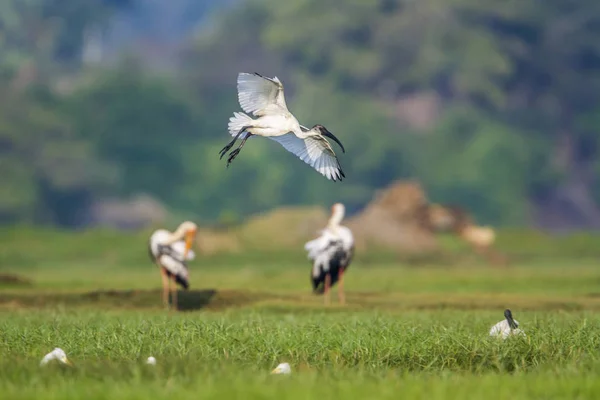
(263, 97)
(331, 254)
(170, 251)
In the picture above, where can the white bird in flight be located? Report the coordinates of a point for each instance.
(263, 97)
(506, 327)
(283, 368)
(56, 354)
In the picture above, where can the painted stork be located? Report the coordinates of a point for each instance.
(170, 251)
(263, 97)
(331, 254)
(508, 326)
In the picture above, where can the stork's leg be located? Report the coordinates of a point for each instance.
(165, 286)
(234, 153)
(341, 295)
(170, 291)
(327, 288)
(174, 296)
(230, 144)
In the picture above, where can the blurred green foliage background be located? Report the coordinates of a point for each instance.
(491, 105)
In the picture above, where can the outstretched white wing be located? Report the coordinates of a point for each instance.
(260, 95)
(315, 151)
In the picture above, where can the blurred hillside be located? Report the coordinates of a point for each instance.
(491, 106)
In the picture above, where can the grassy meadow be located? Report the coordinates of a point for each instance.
(410, 329)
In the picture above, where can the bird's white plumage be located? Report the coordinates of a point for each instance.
(174, 263)
(283, 368)
(502, 329)
(151, 361)
(322, 249)
(174, 266)
(237, 122)
(179, 248)
(264, 98)
(322, 259)
(333, 238)
(56, 354)
(313, 150)
(316, 246)
(260, 95)
(341, 234)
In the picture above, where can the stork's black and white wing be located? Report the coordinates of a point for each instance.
(179, 249)
(260, 95)
(320, 244)
(315, 151)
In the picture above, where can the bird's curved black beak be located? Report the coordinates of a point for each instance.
(331, 136)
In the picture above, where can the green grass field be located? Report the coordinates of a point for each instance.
(408, 331)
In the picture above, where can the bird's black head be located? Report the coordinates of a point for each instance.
(324, 132)
(509, 319)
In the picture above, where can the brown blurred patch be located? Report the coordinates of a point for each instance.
(209, 299)
(393, 219)
(286, 227)
(454, 219)
(14, 280)
(218, 300)
(280, 228)
(399, 217)
(212, 242)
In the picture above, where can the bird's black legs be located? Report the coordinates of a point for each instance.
(235, 152)
(229, 145)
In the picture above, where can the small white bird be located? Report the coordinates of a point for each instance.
(331, 254)
(283, 368)
(506, 327)
(170, 251)
(263, 97)
(151, 361)
(56, 354)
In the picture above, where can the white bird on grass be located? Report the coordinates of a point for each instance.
(263, 97)
(283, 368)
(151, 361)
(506, 327)
(170, 251)
(331, 254)
(56, 354)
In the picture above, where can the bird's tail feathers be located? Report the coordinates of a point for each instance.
(237, 122)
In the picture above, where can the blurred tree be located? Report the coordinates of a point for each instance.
(38, 36)
(49, 175)
(515, 88)
(141, 125)
(512, 90)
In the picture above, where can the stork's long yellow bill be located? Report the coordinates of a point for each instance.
(189, 241)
